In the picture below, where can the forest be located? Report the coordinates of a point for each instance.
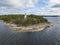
(21, 21)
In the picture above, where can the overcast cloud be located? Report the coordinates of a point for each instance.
(41, 7)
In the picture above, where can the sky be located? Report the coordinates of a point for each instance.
(39, 7)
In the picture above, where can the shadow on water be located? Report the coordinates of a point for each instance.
(49, 36)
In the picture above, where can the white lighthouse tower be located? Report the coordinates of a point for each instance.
(25, 16)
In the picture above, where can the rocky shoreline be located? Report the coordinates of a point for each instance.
(33, 28)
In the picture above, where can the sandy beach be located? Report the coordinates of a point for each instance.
(33, 28)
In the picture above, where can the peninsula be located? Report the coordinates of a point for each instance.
(26, 23)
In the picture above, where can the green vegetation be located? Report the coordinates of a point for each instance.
(20, 21)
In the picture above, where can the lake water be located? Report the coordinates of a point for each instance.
(49, 36)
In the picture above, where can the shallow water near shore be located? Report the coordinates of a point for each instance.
(49, 36)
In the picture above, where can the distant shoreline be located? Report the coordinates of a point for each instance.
(33, 28)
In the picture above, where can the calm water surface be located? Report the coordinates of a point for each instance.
(50, 36)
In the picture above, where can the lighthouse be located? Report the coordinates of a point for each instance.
(25, 16)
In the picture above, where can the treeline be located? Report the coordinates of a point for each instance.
(21, 21)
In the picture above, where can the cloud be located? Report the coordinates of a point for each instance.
(42, 7)
(53, 2)
(16, 6)
(56, 6)
(21, 4)
(49, 10)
